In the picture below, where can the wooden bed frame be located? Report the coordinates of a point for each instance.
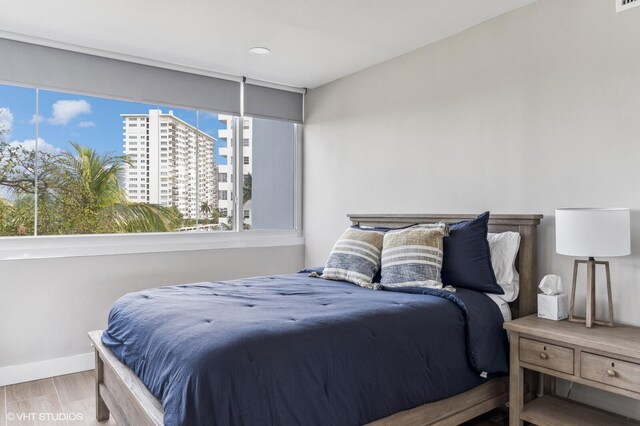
(122, 394)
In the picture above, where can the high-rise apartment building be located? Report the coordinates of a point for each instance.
(172, 163)
(226, 175)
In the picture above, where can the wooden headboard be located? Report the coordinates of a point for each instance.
(525, 224)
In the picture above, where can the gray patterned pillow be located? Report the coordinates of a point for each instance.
(412, 257)
(355, 257)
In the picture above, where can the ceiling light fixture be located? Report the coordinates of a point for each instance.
(262, 51)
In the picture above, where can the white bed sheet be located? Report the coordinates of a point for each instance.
(503, 305)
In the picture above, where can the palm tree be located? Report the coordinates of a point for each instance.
(206, 208)
(227, 226)
(95, 201)
(247, 187)
(215, 215)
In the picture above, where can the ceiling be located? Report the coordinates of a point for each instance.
(313, 42)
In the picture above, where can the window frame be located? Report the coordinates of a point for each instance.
(81, 245)
(63, 246)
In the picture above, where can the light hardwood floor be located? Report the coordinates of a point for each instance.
(63, 400)
(73, 395)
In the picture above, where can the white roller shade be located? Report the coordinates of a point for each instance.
(57, 69)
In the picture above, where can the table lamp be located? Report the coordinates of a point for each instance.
(591, 233)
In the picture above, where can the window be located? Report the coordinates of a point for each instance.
(268, 178)
(72, 126)
(172, 168)
(98, 126)
(17, 145)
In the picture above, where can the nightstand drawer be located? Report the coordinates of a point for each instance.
(546, 355)
(610, 371)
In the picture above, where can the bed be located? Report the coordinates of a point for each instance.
(335, 330)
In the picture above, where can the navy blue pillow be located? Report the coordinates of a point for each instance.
(317, 269)
(466, 259)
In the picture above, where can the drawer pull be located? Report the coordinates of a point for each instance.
(612, 373)
(543, 355)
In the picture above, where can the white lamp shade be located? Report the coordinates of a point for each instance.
(593, 232)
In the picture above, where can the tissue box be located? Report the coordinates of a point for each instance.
(554, 307)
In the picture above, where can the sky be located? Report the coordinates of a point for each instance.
(87, 120)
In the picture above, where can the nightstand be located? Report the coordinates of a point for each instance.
(601, 357)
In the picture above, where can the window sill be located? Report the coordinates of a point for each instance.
(61, 246)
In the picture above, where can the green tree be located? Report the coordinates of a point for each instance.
(17, 216)
(78, 192)
(215, 215)
(206, 209)
(229, 225)
(19, 167)
(247, 190)
(5, 211)
(93, 201)
(22, 220)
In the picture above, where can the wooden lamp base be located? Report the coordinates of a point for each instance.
(590, 318)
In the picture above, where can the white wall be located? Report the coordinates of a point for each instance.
(47, 306)
(533, 110)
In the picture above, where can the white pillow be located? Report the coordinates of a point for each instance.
(504, 249)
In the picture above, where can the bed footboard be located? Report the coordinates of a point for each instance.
(119, 392)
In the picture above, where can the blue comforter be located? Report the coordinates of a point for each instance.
(294, 350)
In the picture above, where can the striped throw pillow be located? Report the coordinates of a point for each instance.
(413, 257)
(355, 257)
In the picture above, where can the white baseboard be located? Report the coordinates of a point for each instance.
(43, 369)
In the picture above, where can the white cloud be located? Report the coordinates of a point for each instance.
(6, 119)
(43, 146)
(33, 119)
(66, 110)
(85, 124)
